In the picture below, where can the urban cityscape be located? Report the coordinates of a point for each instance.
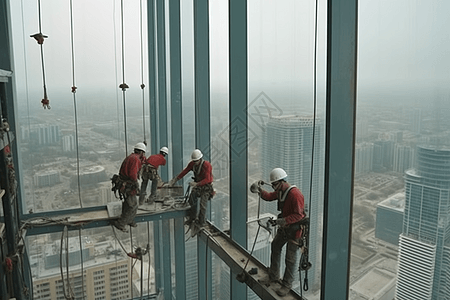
(400, 227)
(392, 160)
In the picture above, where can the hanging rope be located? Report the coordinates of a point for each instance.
(69, 293)
(142, 73)
(123, 85)
(304, 263)
(241, 277)
(149, 259)
(116, 73)
(27, 95)
(74, 90)
(82, 263)
(132, 267)
(39, 37)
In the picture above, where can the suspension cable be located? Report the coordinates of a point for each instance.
(40, 39)
(74, 90)
(27, 94)
(82, 263)
(149, 259)
(132, 266)
(123, 85)
(116, 72)
(142, 72)
(305, 286)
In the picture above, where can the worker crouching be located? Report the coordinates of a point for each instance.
(291, 203)
(127, 183)
(150, 172)
(201, 187)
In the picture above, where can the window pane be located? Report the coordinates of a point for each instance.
(401, 152)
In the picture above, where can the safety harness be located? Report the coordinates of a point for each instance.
(123, 186)
(290, 231)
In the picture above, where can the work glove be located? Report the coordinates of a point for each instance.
(281, 222)
(193, 184)
(172, 181)
(255, 188)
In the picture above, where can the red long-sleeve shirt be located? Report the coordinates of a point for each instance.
(130, 166)
(294, 204)
(156, 160)
(205, 175)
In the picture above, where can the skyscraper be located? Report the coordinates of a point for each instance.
(423, 264)
(287, 143)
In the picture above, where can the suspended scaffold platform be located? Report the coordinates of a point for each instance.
(236, 257)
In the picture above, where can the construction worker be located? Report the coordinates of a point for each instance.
(201, 187)
(150, 172)
(291, 203)
(129, 187)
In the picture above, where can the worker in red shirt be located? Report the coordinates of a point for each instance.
(201, 187)
(291, 203)
(128, 177)
(150, 172)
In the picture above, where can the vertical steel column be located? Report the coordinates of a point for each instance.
(154, 139)
(202, 125)
(339, 148)
(180, 259)
(162, 80)
(11, 206)
(177, 138)
(238, 79)
(151, 16)
(175, 86)
(167, 260)
(157, 240)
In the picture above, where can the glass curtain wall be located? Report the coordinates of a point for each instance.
(401, 152)
(286, 60)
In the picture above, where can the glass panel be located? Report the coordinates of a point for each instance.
(55, 167)
(108, 271)
(401, 153)
(282, 130)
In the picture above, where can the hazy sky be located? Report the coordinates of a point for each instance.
(403, 44)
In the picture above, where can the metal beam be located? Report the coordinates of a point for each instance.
(180, 259)
(202, 126)
(151, 16)
(167, 260)
(162, 80)
(175, 87)
(236, 257)
(339, 148)
(100, 222)
(238, 121)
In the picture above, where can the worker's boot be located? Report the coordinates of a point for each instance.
(283, 291)
(268, 281)
(151, 199)
(119, 226)
(189, 221)
(133, 224)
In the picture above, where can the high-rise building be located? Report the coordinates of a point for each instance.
(403, 158)
(288, 143)
(423, 263)
(68, 143)
(106, 272)
(363, 158)
(389, 222)
(383, 155)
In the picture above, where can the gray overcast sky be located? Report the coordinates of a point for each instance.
(401, 43)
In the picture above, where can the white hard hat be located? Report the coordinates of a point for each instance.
(164, 150)
(277, 174)
(196, 154)
(140, 146)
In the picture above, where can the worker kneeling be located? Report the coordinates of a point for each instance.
(291, 203)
